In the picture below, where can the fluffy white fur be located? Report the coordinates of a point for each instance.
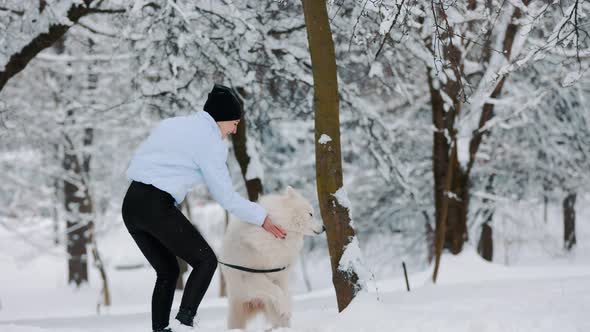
(251, 246)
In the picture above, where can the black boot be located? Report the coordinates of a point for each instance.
(185, 316)
(167, 329)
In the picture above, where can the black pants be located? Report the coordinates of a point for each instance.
(162, 232)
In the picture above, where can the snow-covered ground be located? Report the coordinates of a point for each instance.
(470, 295)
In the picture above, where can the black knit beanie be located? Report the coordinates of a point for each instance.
(223, 104)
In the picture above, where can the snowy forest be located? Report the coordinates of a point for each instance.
(444, 144)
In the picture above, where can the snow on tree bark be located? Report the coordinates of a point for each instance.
(336, 217)
(447, 104)
(19, 60)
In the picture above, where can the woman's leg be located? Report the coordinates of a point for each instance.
(184, 241)
(169, 234)
(167, 272)
(136, 218)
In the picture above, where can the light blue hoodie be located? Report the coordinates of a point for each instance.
(183, 151)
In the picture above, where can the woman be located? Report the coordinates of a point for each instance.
(179, 153)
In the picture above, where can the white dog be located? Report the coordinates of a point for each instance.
(251, 246)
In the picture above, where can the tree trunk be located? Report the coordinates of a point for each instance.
(456, 234)
(58, 191)
(429, 232)
(59, 47)
(440, 152)
(105, 301)
(105, 291)
(239, 141)
(569, 221)
(441, 229)
(485, 246)
(545, 205)
(336, 218)
(455, 193)
(76, 231)
(78, 206)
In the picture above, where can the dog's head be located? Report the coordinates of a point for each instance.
(301, 214)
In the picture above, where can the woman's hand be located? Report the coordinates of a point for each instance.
(273, 229)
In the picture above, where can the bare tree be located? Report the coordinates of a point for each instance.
(451, 178)
(328, 153)
(19, 60)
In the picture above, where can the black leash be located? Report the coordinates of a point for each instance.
(247, 269)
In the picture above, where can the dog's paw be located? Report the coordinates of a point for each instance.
(285, 310)
(286, 315)
(285, 319)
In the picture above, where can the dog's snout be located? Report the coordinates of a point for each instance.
(319, 230)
